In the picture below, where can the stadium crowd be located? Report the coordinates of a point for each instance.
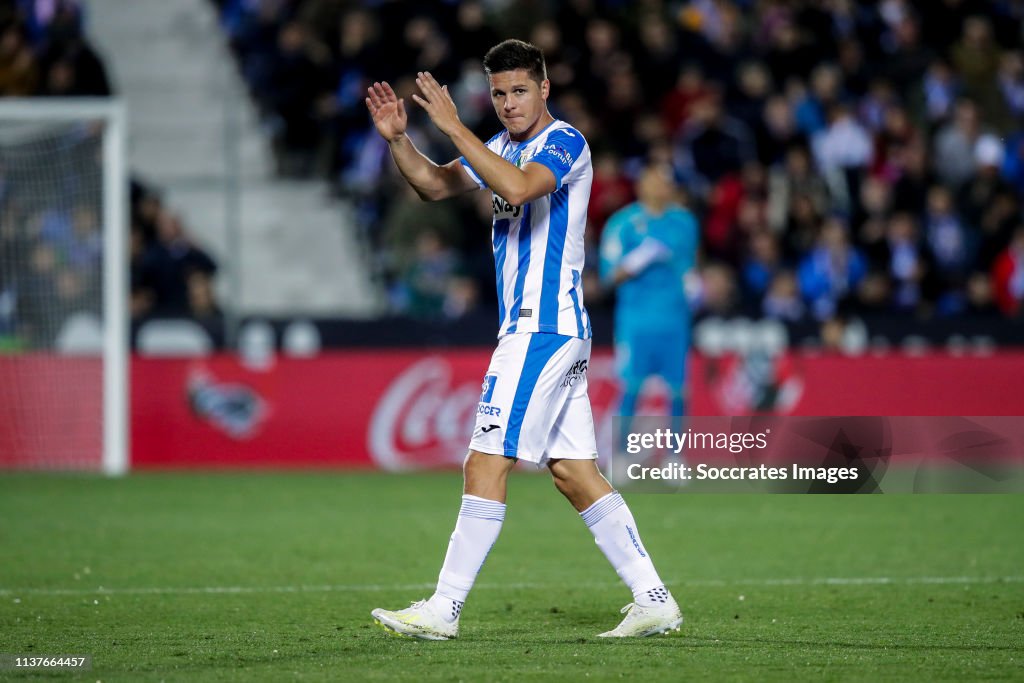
(43, 51)
(51, 199)
(841, 156)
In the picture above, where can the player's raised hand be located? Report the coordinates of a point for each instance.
(387, 110)
(434, 98)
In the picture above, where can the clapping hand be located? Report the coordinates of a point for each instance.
(437, 102)
(387, 111)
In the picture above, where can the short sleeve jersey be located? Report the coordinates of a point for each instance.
(538, 247)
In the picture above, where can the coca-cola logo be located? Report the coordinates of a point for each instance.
(422, 419)
(426, 415)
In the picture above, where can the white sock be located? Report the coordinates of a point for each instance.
(475, 533)
(614, 529)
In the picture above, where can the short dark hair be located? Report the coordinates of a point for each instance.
(513, 54)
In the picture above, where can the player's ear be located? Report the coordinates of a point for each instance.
(545, 88)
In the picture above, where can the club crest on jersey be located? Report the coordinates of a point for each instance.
(486, 394)
(487, 390)
(502, 209)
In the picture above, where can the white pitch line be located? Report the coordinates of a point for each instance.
(371, 587)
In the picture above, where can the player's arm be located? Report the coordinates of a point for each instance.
(517, 186)
(431, 181)
(618, 265)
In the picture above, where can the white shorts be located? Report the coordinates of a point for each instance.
(534, 404)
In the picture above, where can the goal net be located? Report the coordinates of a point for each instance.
(63, 285)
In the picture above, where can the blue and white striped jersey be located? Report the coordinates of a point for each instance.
(538, 247)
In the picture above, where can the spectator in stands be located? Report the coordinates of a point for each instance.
(803, 224)
(47, 19)
(1011, 84)
(342, 112)
(895, 134)
(872, 219)
(976, 58)
(811, 108)
(461, 297)
(610, 191)
(295, 82)
(907, 264)
(657, 58)
(905, 58)
(831, 271)
(777, 131)
(842, 152)
(747, 101)
(951, 247)
(763, 262)
(141, 297)
(406, 220)
(677, 105)
(714, 292)
(937, 93)
(795, 178)
(995, 230)
(979, 192)
(714, 144)
(954, 144)
(427, 282)
(202, 302)
(19, 73)
(914, 177)
(84, 247)
(167, 264)
(72, 66)
(782, 300)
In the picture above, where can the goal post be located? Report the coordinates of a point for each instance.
(63, 306)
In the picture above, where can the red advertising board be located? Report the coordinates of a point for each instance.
(51, 412)
(400, 410)
(409, 409)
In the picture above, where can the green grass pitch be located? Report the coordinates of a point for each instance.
(271, 577)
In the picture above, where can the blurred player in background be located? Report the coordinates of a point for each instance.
(648, 252)
(534, 405)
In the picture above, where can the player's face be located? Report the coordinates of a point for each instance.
(520, 102)
(655, 187)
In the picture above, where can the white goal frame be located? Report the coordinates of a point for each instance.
(115, 251)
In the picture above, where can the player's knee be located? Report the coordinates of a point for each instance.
(571, 481)
(483, 470)
(565, 486)
(475, 468)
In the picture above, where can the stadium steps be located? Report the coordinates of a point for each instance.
(299, 252)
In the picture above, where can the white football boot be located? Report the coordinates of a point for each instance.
(647, 621)
(418, 621)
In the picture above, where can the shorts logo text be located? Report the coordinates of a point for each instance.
(575, 373)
